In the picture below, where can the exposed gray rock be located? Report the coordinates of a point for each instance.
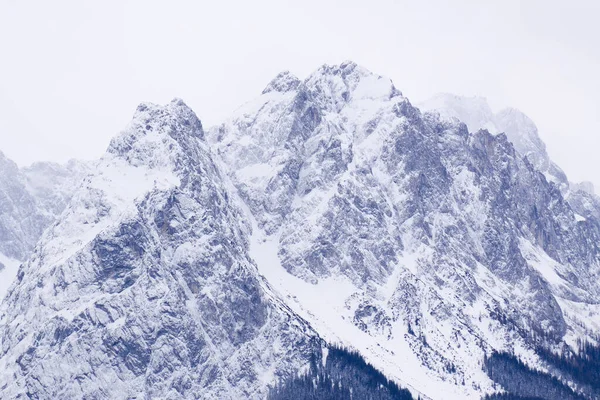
(433, 225)
(518, 127)
(145, 288)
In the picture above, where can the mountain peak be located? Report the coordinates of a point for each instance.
(7, 164)
(176, 108)
(476, 113)
(348, 71)
(283, 82)
(516, 116)
(521, 130)
(336, 85)
(585, 186)
(472, 110)
(153, 124)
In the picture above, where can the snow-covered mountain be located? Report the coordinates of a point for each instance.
(326, 210)
(145, 287)
(30, 200)
(518, 127)
(522, 132)
(430, 244)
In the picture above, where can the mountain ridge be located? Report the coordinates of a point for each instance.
(193, 263)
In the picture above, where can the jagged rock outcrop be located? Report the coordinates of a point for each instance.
(440, 242)
(144, 288)
(21, 222)
(522, 132)
(31, 199)
(518, 127)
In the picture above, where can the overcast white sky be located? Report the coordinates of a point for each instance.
(72, 72)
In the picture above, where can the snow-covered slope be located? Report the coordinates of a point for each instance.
(585, 202)
(30, 200)
(145, 287)
(404, 235)
(21, 223)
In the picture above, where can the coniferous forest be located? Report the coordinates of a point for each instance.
(508, 396)
(581, 367)
(344, 375)
(523, 383)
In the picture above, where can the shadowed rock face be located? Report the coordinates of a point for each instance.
(161, 299)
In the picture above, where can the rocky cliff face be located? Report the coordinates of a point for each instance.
(145, 289)
(518, 127)
(440, 242)
(523, 134)
(21, 222)
(330, 209)
(30, 200)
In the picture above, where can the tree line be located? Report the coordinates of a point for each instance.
(344, 375)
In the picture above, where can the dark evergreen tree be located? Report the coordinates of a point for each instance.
(508, 396)
(522, 382)
(345, 375)
(581, 367)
